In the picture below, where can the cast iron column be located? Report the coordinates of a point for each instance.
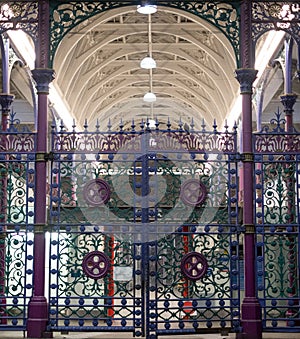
(38, 307)
(251, 311)
(288, 101)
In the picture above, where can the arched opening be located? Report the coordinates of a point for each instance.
(97, 65)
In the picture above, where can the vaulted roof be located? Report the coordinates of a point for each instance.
(98, 72)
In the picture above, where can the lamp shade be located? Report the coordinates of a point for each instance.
(148, 63)
(147, 9)
(149, 97)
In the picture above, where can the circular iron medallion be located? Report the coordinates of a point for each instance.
(194, 265)
(96, 192)
(96, 264)
(193, 192)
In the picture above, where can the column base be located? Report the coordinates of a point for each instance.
(251, 319)
(38, 318)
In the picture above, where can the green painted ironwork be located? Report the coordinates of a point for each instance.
(277, 224)
(144, 229)
(17, 177)
(224, 15)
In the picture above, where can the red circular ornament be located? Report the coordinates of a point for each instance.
(193, 192)
(96, 192)
(194, 265)
(96, 264)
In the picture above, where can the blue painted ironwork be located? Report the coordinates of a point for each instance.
(277, 223)
(17, 178)
(145, 229)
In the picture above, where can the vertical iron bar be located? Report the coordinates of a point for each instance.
(144, 230)
(288, 100)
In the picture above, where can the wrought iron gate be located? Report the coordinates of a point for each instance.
(144, 231)
(17, 181)
(277, 225)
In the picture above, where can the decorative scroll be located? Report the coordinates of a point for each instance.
(278, 15)
(274, 139)
(20, 15)
(129, 141)
(17, 138)
(224, 15)
(277, 173)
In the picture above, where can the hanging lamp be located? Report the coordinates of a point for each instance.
(149, 97)
(149, 63)
(146, 8)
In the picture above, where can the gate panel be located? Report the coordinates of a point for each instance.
(277, 224)
(17, 177)
(194, 265)
(144, 232)
(95, 279)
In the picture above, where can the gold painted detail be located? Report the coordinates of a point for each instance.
(247, 157)
(249, 228)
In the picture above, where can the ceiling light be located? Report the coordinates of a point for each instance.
(149, 97)
(147, 9)
(148, 63)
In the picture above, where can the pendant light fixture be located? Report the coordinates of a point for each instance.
(149, 97)
(149, 63)
(146, 8)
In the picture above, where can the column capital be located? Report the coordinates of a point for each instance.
(43, 77)
(5, 102)
(246, 77)
(288, 101)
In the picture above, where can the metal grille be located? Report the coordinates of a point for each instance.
(17, 178)
(277, 219)
(144, 231)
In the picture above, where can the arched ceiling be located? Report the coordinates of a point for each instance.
(98, 73)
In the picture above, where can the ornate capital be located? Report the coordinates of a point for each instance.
(5, 102)
(288, 101)
(43, 77)
(246, 77)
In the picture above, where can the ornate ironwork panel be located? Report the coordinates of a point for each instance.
(277, 172)
(275, 15)
(17, 180)
(144, 231)
(222, 14)
(19, 15)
